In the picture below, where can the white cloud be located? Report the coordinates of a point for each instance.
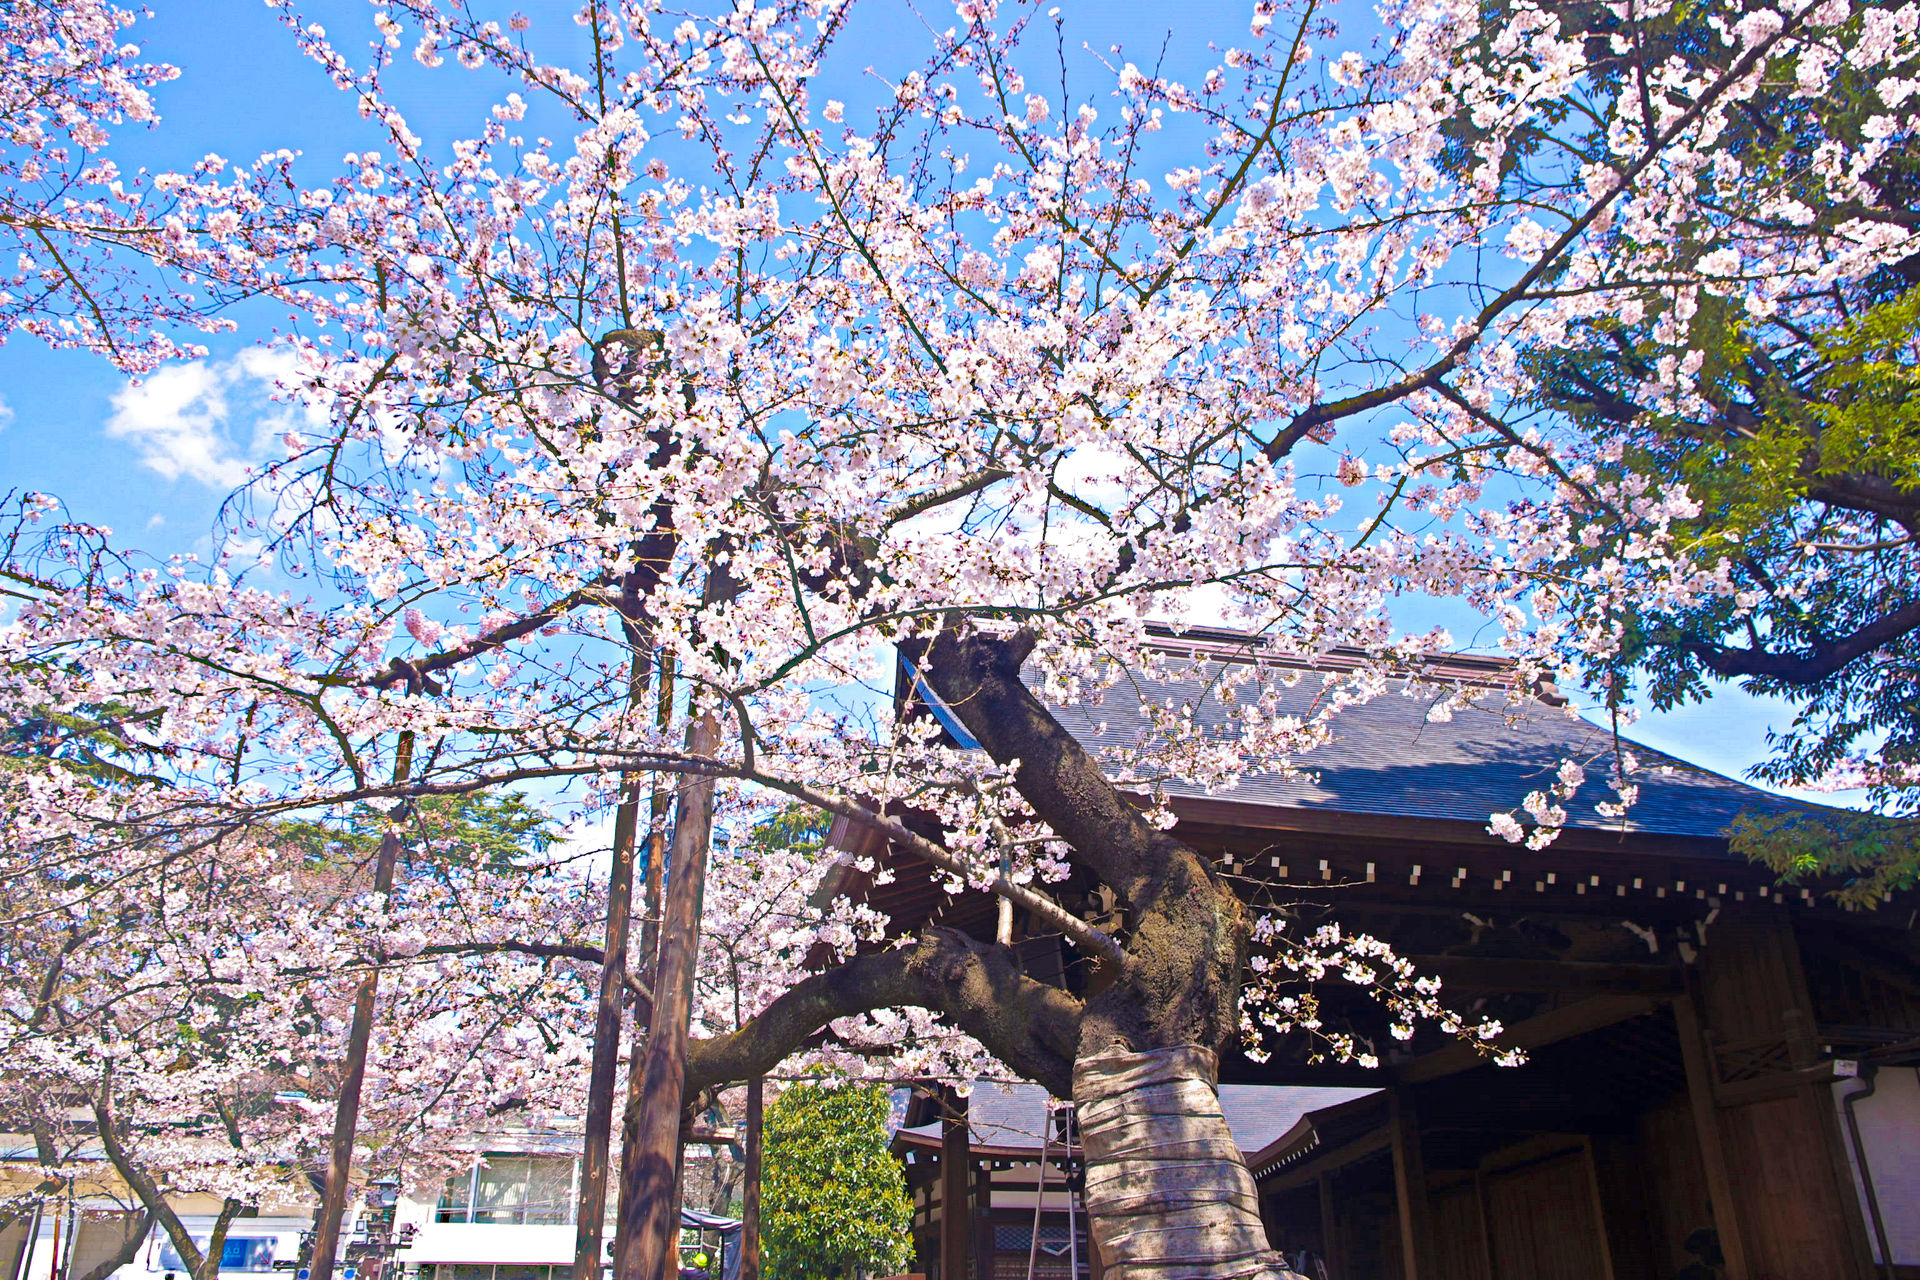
(209, 420)
(6, 413)
(586, 842)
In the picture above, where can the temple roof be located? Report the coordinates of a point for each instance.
(1398, 756)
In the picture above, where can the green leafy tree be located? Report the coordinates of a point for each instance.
(834, 1200)
(1790, 418)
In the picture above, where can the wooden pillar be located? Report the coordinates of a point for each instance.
(956, 1163)
(1706, 1126)
(1330, 1249)
(750, 1193)
(1410, 1188)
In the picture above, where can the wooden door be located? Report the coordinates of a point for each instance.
(1543, 1221)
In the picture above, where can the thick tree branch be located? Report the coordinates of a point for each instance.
(1819, 662)
(1043, 909)
(1032, 1027)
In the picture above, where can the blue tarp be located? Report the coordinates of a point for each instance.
(729, 1231)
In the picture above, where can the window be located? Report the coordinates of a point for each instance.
(511, 1190)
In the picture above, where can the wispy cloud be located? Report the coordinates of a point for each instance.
(6, 413)
(207, 421)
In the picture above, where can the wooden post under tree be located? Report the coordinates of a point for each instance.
(750, 1190)
(346, 1114)
(1330, 1251)
(606, 1040)
(652, 1210)
(956, 1160)
(1706, 1127)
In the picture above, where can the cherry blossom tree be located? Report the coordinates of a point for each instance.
(722, 384)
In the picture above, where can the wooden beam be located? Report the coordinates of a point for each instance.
(1706, 1127)
(1774, 1084)
(1559, 1024)
(1599, 1202)
(1410, 1188)
(1236, 1068)
(956, 1161)
(1494, 973)
(1241, 815)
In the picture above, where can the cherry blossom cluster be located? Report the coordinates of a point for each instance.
(1281, 995)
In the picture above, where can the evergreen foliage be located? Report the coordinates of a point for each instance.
(833, 1199)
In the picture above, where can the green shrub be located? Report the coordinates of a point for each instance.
(833, 1198)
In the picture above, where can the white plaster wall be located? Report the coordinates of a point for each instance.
(1890, 1132)
(489, 1242)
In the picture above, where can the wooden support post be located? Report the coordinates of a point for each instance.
(956, 1162)
(1410, 1187)
(597, 1140)
(1330, 1250)
(647, 962)
(981, 1207)
(1706, 1125)
(653, 1209)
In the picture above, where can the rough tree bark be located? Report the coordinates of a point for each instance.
(654, 1159)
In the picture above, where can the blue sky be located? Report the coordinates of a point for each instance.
(154, 461)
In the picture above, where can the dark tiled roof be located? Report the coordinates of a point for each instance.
(1389, 757)
(1015, 1116)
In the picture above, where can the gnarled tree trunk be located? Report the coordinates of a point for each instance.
(1168, 1193)
(1169, 1196)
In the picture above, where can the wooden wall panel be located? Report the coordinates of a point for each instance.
(1542, 1223)
(1797, 1213)
(1459, 1241)
(1776, 1151)
(13, 1243)
(101, 1236)
(1368, 1241)
(1750, 971)
(1619, 1167)
(1676, 1186)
